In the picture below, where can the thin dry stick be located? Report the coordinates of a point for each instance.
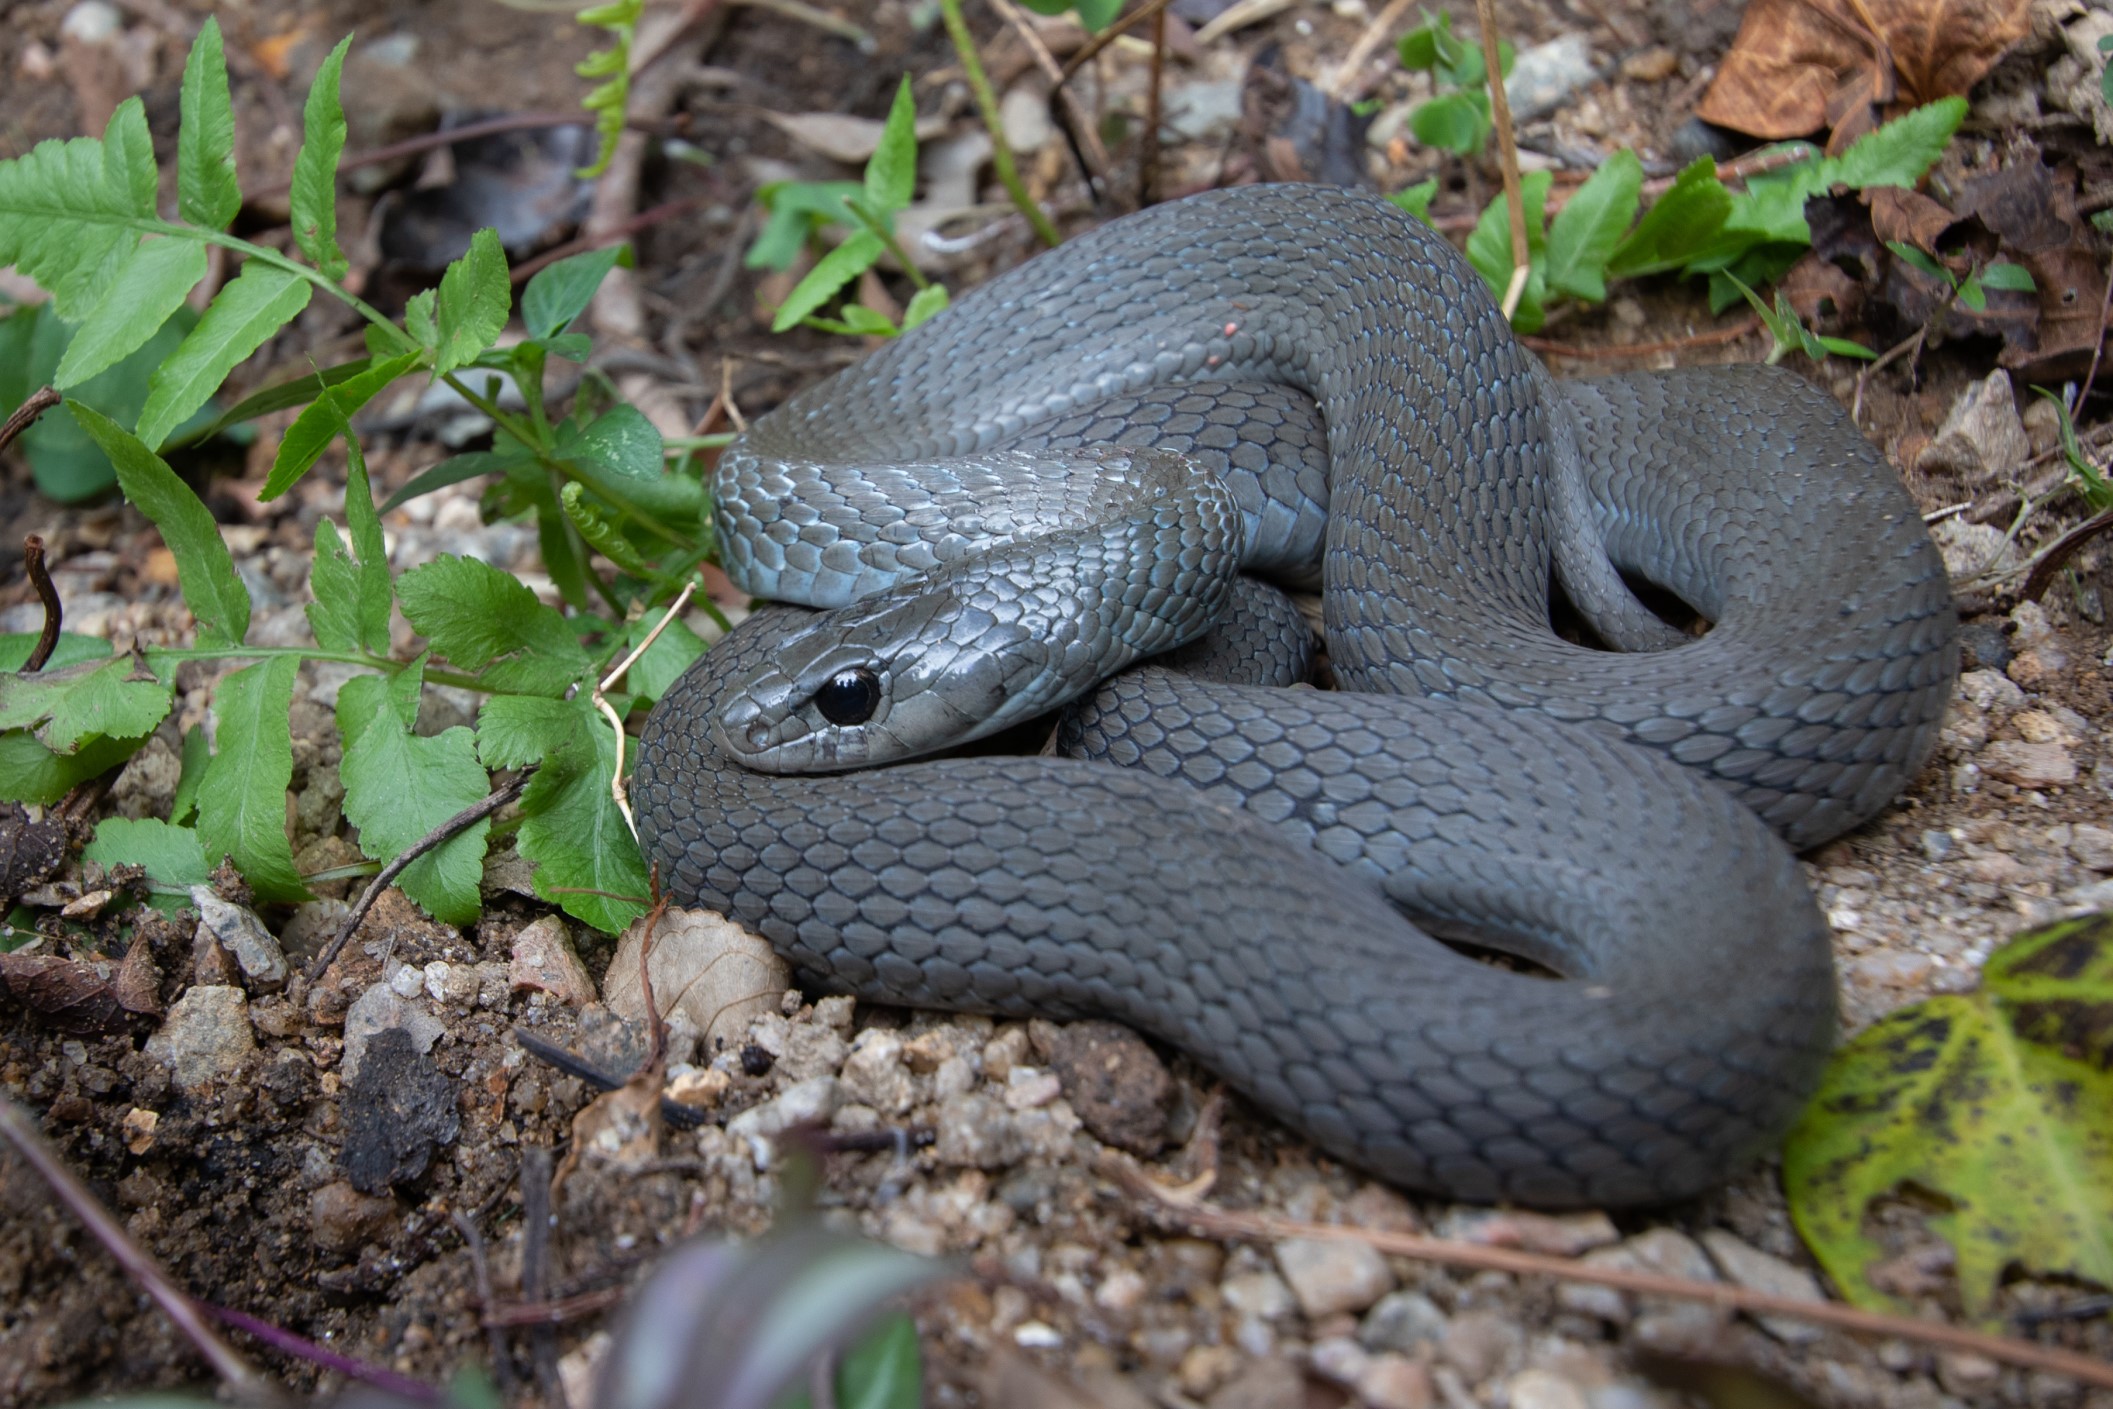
(461, 821)
(1221, 1222)
(1092, 154)
(1155, 98)
(239, 1376)
(26, 413)
(1508, 156)
(481, 1272)
(616, 776)
(1151, 9)
(2056, 555)
(1375, 34)
(54, 614)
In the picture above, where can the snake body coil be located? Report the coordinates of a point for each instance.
(1239, 891)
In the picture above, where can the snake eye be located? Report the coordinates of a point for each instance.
(850, 697)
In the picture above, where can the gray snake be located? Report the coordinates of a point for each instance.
(1243, 890)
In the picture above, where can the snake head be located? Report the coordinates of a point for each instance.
(893, 677)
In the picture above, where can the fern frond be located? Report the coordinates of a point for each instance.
(72, 212)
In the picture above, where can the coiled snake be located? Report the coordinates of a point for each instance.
(1240, 889)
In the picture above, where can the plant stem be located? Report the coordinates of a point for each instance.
(1508, 156)
(987, 103)
(314, 653)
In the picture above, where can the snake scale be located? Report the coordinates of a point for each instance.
(1267, 886)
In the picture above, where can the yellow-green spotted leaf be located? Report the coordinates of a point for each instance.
(1999, 1102)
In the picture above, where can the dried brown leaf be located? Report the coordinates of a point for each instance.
(707, 971)
(1802, 65)
(29, 851)
(1909, 216)
(73, 994)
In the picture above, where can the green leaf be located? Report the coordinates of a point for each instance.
(1970, 293)
(891, 172)
(173, 859)
(256, 304)
(571, 828)
(328, 417)
(197, 757)
(1587, 229)
(1995, 1101)
(454, 470)
(1453, 122)
(475, 298)
(144, 293)
(400, 786)
(204, 568)
(884, 1370)
(1843, 347)
(1489, 248)
(242, 799)
(1095, 15)
(352, 599)
(479, 617)
(2002, 274)
(620, 440)
(857, 321)
(285, 395)
(72, 649)
(114, 699)
(560, 292)
(796, 209)
(207, 193)
(840, 266)
(31, 773)
(1899, 152)
(674, 651)
(314, 197)
(68, 465)
(418, 318)
(1692, 210)
(1416, 199)
(926, 303)
(1418, 48)
(1916, 259)
(71, 212)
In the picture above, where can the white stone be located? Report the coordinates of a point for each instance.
(1330, 1275)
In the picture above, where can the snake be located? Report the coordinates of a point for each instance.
(1510, 913)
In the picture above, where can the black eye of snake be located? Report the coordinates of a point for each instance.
(850, 697)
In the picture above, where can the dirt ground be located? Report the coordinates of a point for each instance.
(1071, 1292)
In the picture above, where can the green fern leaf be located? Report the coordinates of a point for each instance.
(71, 213)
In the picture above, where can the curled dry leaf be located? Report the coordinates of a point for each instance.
(73, 994)
(1802, 65)
(708, 972)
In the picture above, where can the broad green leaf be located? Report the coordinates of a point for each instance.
(674, 651)
(1692, 210)
(560, 292)
(2002, 274)
(204, 568)
(173, 859)
(1999, 1102)
(116, 699)
(71, 649)
(68, 465)
(571, 828)
(146, 290)
(884, 1370)
(484, 620)
(207, 193)
(400, 786)
(418, 318)
(925, 304)
(891, 172)
(314, 197)
(1587, 229)
(286, 395)
(475, 298)
(377, 591)
(1454, 122)
(333, 582)
(1416, 199)
(71, 212)
(256, 304)
(796, 209)
(242, 799)
(1970, 293)
(1489, 248)
(620, 440)
(454, 470)
(834, 270)
(1900, 151)
(328, 417)
(31, 773)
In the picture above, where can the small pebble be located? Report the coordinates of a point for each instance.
(1542, 1389)
(1328, 1276)
(1260, 1294)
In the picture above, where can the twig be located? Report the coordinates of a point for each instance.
(241, 1378)
(481, 1270)
(48, 634)
(987, 102)
(1148, 157)
(468, 817)
(657, 1051)
(301, 1348)
(1097, 42)
(536, 1166)
(1092, 155)
(1712, 338)
(2098, 346)
(616, 775)
(672, 1113)
(1912, 344)
(2056, 555)
(1212, 1221)
(605, 236)
(25, 414)
(1508, 156)
(1375, 34)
